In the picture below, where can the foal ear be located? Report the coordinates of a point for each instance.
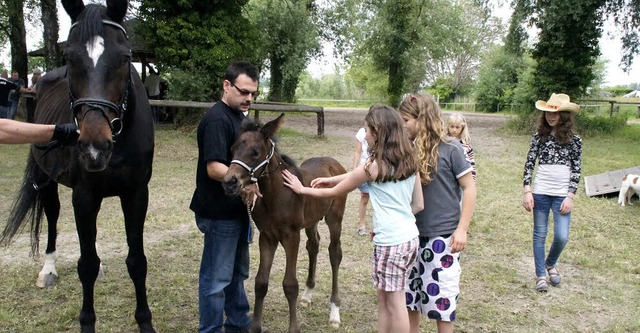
(117, 9)
(73, 8)
(269, 129)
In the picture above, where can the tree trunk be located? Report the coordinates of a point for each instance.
(53, 56)
(277, 81)
(18, 38)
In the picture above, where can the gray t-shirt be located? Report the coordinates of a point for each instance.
(441, 213)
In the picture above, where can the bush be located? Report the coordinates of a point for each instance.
(591, 126)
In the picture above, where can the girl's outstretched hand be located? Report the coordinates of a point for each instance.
(322, 182)
(292, 182)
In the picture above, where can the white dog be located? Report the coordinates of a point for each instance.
(630, 186)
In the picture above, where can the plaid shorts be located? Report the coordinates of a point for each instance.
(390, 265)
(434, 282)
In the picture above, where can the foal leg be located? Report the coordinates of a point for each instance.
(268, 248)
(313, 246)
(134, 205)
(51, 205)
(334, 222)
(291, 242)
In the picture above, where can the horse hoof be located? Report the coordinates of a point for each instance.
(335, 324)
(304, 303)
(46, 281)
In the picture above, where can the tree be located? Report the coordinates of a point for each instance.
(289, 39)
(13, 26)
(199, 37)
(50, 29)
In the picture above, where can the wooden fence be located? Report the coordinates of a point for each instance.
(256, 107)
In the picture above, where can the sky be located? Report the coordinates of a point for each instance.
(610, 48)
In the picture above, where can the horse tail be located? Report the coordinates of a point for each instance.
(26, 207)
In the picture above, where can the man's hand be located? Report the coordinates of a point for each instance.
(65, 134)
(250, 193)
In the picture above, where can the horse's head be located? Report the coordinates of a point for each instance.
(98, 55)
(251, 154)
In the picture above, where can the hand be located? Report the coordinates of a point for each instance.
(250, 193)
(66, 134)
(566, 206)
(292, 182)
(322, 182)
(458, 241)
(527, 201)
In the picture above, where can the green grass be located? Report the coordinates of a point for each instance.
(600, 266)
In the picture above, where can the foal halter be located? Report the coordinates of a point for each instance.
(265, 163)
(99, 104)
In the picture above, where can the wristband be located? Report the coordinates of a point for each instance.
(569, 197)
(525, 192)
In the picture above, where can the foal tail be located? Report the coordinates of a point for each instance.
(26, 207)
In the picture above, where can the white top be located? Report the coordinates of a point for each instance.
(552, 179)
(152, 83)
(365, 146)
(393, 220)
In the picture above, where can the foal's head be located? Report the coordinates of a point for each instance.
(251, 154)
(98, 55)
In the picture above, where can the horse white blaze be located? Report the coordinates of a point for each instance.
(95, 49)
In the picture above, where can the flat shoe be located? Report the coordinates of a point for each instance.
(554, 276)
(541, 284)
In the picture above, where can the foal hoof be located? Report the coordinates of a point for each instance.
(334, 324)
(46, 280)
(304, 303)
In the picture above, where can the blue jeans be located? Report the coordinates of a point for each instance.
(4, 112)
(224, 267)
(542, 205)
(12, 109)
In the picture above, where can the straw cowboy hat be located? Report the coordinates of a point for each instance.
(557, 102)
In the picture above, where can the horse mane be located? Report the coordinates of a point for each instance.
(89, 22)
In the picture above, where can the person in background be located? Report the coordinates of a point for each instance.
(558, 149)
(35, 76)
(458, 129)
(224, 220)
(6, 88)
(360, 156)
(15, 132)
(434, 283)
(14, 96)
(152, 84)
(396, 195)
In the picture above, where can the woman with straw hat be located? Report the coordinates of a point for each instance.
(558, 149)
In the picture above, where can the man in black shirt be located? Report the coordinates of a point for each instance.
(6, 87)
(223, 220)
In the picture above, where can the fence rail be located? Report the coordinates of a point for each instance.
(256, 107)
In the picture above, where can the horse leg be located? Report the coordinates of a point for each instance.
(134, 205)
(268, 248)
(291, 242)
(51, 205)
(86, 207)
(334, 222)
(313, 246)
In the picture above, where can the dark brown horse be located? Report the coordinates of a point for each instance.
(280, 215)
(100, 90)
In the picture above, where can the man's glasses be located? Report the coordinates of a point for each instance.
(245, 92)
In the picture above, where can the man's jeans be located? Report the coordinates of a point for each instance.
(542, 205)
(224, 267)
(4, 112)
(12, 109)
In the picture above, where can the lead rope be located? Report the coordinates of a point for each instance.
(252, 224)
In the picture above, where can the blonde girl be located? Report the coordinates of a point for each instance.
(433, 286)
(395, 195)
(457, 128)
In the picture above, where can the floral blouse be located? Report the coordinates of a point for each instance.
(552, 153)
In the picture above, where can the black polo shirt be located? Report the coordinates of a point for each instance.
(6, 87)
(217, 131)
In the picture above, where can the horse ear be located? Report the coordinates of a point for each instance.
(271, 128)
(73, 8)
(117, 9)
